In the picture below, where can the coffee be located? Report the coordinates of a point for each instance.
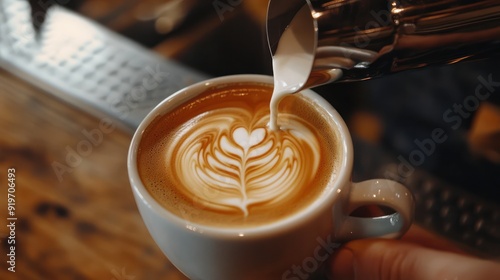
(213, 159)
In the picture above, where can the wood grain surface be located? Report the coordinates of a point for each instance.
(76, 215)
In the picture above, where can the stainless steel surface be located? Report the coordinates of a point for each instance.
(376, 37)
(87, 65)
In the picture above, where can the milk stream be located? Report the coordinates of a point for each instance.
(293, 61)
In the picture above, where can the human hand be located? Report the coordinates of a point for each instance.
(414, 258)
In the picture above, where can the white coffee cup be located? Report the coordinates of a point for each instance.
(286, 249)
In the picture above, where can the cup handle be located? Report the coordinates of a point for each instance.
(380, 192)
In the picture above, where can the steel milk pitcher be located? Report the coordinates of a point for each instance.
(371, 38)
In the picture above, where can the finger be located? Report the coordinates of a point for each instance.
(397, 260)
(421, 236)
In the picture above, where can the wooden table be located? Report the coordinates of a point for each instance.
(81, 221)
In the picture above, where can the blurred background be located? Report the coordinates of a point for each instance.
(46, 78)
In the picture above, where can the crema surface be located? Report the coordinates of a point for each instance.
(213, 160)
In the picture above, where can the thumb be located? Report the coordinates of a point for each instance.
(395, 260)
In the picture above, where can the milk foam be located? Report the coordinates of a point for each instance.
(291, 62)
(229, 160)
(299, 63)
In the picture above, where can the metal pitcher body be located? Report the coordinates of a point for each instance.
(371, 38)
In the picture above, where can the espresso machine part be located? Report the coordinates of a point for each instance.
(371, 38)
(95, 69)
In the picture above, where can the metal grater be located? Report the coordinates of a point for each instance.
(87, 65)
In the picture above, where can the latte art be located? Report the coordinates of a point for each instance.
(214, 160)
(228, 160)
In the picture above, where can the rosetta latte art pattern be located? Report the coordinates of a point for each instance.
(230, 161)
